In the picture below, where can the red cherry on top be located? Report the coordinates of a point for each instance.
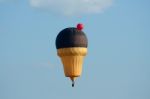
(80, 26)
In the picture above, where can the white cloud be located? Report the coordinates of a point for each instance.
(72, 7)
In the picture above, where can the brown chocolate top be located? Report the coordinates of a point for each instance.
(71, 37)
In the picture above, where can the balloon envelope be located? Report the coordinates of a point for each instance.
(71, 44)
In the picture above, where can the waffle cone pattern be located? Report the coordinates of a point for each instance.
(72, 59)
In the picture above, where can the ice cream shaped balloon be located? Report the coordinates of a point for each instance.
(71, 44)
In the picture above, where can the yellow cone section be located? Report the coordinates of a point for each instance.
(72, 59)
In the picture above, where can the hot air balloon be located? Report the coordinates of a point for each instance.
(71, 44)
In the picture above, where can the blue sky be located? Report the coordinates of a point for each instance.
(117, 65)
